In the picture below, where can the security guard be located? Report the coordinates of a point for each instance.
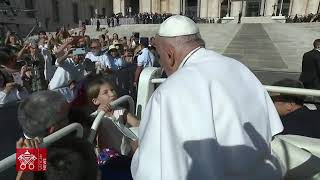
(145, 59)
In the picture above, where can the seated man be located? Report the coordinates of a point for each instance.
(297, 119)
(43, 113)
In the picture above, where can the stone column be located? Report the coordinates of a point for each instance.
(204, 9)
(299, 7)
(235, 8)
(155, 6)
(313, 6)
(174, 6)
(164, 6)
(198, 8)
(122, 7)
(244, 10)
(269, 8)
(116, 6)
(213, 8)
(262, 9)
(145, 5)
(183, 7)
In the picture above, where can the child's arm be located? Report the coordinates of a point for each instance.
(131, 119)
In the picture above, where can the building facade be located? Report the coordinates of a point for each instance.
(51, 14)
(220, 8)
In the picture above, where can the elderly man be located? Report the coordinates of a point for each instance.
(97, 56)
(297, 119)
(43, 113)
(211, 119)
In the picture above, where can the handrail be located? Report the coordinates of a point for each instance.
(11, 160)
(278, 89)
(293, 91)
(99, 115)
(146, 88)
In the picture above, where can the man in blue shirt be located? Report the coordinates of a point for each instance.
(145, 59)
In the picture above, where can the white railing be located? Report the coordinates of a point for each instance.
(99, 115)
(150, 76)
(11, 160)
(146, 88)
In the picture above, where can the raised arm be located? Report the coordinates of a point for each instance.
(61, 60)
(60, 50)
(21, 52)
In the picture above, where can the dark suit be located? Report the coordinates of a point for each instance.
(310, 75)
(303, 122)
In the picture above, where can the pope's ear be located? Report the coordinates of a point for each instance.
(172, 58)
(170, 53)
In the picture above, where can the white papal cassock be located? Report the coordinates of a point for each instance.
(212, 119)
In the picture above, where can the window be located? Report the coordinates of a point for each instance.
(104, 12)
(29, 6)
(55, 11)
(75, 12)
(91, 9)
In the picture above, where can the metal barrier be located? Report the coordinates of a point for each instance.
(99, 116)
(11, 160)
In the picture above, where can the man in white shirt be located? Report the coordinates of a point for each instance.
(69, 69)
(210, 120)
(145, 59)
(98, 57)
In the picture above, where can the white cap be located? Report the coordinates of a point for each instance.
(178, 26)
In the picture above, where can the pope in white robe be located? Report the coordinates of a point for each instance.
(210, 120)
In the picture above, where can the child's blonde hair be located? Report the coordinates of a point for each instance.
(94, 85)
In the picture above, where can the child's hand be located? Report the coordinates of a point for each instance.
(106, 108)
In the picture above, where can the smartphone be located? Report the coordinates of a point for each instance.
(79, 51)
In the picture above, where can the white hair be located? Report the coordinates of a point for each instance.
(40, 111)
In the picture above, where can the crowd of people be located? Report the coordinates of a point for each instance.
(195, 116)
(61, 60)
(303, 19)
(74, 72)
(141, 18)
